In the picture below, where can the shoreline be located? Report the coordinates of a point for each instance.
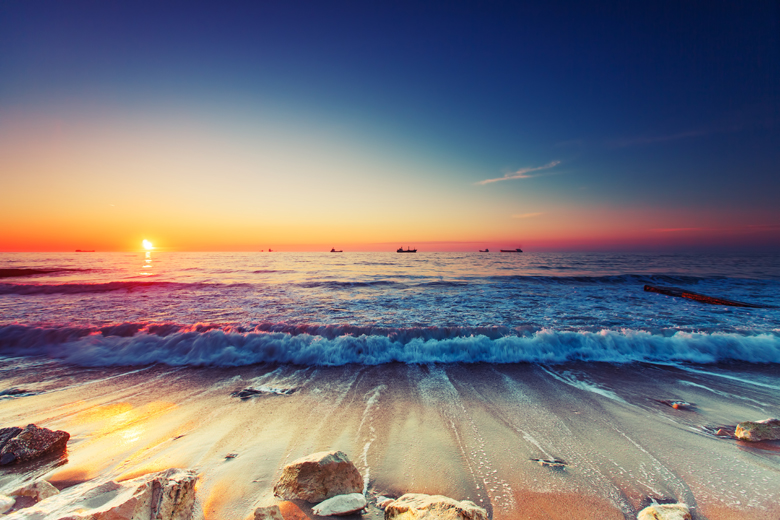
(465, 431)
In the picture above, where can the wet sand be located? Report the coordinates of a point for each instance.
(465, 431)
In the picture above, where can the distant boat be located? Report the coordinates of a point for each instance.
(270, 250)
(85, 250)
(407, 250)
(334, 251)
(518, 250)
(484, 250)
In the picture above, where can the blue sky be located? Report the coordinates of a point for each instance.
(665, 113)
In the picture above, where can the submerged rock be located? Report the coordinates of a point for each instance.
(766, 430)
(665, 512)
(20, 445)
(166, 495)
(414, 506)
(318, 477)
(266, 513)
(341, 505)
(39, 490)
(6, 503)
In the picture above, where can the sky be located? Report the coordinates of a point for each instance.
(448, 126)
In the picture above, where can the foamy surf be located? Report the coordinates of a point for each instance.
(200, 345)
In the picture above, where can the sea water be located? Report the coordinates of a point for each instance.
(231, 309)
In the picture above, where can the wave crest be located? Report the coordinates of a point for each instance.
(210, 345)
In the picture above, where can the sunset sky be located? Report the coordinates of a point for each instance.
(368, 125)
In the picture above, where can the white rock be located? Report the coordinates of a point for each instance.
(39, 490)
(6, 503)
(168, 495)
(341, 505)
(665, 512)
(413, 506)
(267, 513)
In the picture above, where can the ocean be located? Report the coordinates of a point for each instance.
(330, 309)
(437, 373)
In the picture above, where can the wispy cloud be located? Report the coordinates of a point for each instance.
(527, 215)
(523, 173)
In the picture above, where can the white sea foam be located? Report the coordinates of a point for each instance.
(217, 347)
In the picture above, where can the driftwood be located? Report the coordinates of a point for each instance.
(683, 293)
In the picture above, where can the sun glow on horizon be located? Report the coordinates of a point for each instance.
(148, 245)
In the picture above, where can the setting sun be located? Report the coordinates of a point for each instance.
(148, 245)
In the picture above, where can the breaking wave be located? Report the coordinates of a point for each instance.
(213, 345)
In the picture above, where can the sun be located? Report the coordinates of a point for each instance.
(148, 245)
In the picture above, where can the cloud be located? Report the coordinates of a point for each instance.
(527, 215)
(522, 173)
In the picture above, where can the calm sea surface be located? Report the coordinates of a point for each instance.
(327, 308)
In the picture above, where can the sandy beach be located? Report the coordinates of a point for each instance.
(464, 431)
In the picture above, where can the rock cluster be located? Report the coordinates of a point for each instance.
(332, 480)
(20, 445)
(318, 477)
(168, 495)
(665, 512)
(766, 430)
(413, 506)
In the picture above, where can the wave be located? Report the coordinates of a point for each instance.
(615, 279)
(14, 273)
(78, 288)
(213, 345)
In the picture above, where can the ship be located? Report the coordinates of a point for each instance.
(333, 250)
(407, 250)
(484, 250)
(85, 250)
(518, 250)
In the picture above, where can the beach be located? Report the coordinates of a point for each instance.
(460, 430)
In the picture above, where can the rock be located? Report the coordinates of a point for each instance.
(20, 445)
(341, 505)
(267, 513)
(383, 501)
(318, 477)
(413, 506)
(722, 432)
(39, 490)
(551, 463)
(665, 512)
(6, 503)
(166, 495)
(246, 393)
(766, 430)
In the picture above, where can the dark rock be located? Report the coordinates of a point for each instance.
(551, 463)
(20, 445)
(246, 393)
(675, 403)
(683, 293)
